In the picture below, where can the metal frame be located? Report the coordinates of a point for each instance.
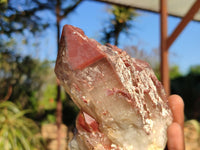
(167, 41)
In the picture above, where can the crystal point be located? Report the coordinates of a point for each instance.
(123, 105)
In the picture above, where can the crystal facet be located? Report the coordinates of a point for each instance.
(123, 105)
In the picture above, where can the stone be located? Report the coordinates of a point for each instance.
(122, 104)
(49, 134)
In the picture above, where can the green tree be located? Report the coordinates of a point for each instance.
(120, 22)
(174, 72)
(18, 17)
(16, 131)
(25, 75)
(188, 87)
(23, 80)
(194, 69)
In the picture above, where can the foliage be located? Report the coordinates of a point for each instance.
(3, 2)
(174, 72)
(33, 84)
(28, 78)
(120, 22)
(188, 87)
(16, 131)
(65, 7)
(17, 16)
(47, 101)
(194, 69)
(32, 80)
(25, 75)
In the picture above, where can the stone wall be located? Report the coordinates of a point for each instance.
(49, 133)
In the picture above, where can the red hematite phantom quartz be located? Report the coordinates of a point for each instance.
(123, 105)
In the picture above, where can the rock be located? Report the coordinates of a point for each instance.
(192, 135)
(123, 105)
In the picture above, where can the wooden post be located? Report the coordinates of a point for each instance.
(164, 68)
(186, 19)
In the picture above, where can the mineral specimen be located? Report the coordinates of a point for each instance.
(123, 105)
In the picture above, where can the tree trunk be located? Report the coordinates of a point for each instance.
(58, 98)
(117, 38)
(8, 94)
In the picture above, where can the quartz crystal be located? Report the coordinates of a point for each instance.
(122, 104)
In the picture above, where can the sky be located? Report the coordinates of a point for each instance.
(90, 16)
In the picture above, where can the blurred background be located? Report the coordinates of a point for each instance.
(32, 104)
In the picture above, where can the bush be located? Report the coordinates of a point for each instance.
(16, 131)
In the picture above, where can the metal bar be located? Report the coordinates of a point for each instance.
(164, 68)
(188, 17)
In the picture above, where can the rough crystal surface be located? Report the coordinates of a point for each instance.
(123, 105)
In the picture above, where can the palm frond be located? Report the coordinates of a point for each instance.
(17, 132)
